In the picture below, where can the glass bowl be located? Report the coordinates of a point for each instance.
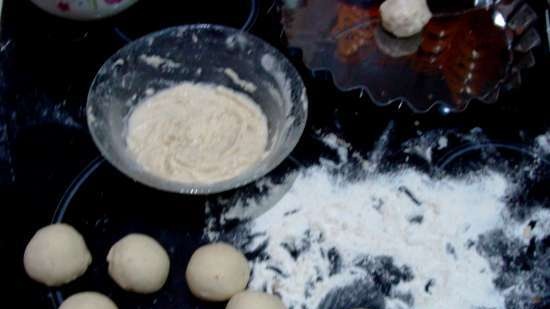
(199, 53)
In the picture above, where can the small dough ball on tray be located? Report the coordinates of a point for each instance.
(254, 300)
(217, 271)
(88, 300)
(56, 255)
(405, 18)
(138, 263)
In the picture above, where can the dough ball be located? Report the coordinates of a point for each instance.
(138, 263)
(88, 300)
(216, 272)
(404, 18)
(253, 300)
(56, 254)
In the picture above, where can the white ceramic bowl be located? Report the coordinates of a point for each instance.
(84, 9)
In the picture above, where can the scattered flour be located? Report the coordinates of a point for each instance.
(394, 240)
(245, 85)
(157, 62)
(118, 62)
(442, 142)
(543, 142)
(425, 145)
(374, 217)
(341, 146)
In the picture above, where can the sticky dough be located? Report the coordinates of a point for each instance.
(197, 133)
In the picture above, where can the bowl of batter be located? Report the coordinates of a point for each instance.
(197, 109)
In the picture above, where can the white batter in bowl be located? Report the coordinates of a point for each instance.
(233, 64)
(197, 133)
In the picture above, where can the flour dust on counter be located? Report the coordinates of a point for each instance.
(398, 239)
(543, 143)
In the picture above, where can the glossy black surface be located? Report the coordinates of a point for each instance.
(46, 68)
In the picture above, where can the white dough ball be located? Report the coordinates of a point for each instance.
(88, 300)
(56, 254)
(405, 18)
(254, 300)
(216, 272)
(138, 263)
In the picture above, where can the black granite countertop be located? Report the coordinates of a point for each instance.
(47, 65)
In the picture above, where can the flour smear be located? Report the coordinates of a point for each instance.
(394, 240)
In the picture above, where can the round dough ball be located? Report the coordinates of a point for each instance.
(56, 254)
(253, 300)
(138, 263)
(88, 300)
(405, 18)
(216, 272)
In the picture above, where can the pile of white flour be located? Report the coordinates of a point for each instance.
(394, 240)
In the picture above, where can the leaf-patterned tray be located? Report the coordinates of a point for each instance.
(467, 51)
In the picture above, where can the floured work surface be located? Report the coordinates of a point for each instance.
(350, 234)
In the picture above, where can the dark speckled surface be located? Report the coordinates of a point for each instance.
(46, 68)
